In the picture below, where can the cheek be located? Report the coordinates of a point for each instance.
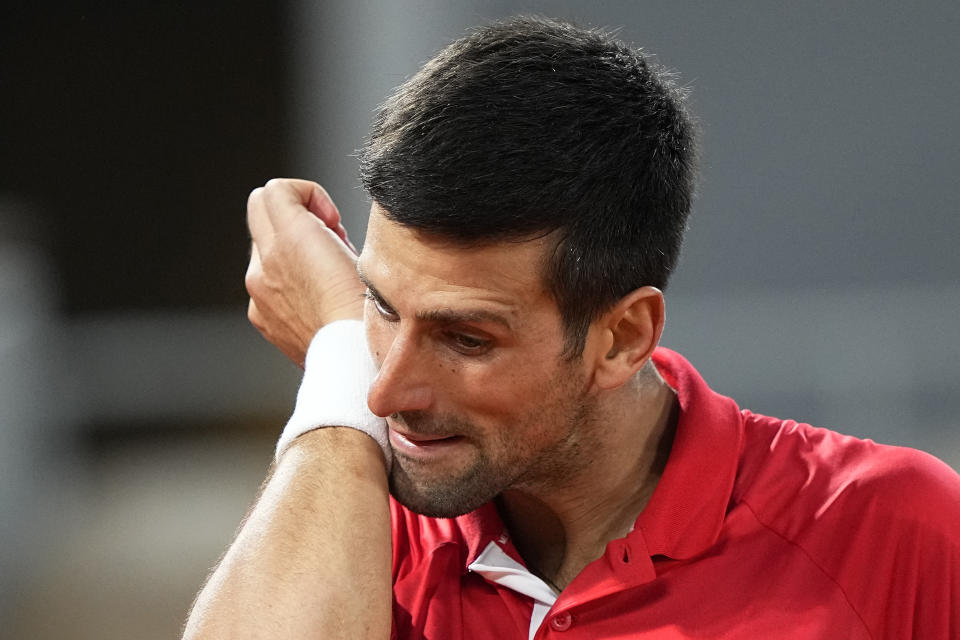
(502, 391)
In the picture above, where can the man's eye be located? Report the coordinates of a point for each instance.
(385, 312)
(468, 344)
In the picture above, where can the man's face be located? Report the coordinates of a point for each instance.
(472, 380)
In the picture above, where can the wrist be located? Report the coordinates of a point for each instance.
(342, 302)
(353, 450)
(338, 372)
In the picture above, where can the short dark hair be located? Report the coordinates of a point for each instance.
(532, 126)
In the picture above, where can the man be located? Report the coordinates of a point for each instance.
(552, 471)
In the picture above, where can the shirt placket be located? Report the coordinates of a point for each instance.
(624, 565)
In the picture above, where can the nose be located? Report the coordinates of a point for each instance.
(402, 383)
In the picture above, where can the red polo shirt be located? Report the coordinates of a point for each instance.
(759, 528)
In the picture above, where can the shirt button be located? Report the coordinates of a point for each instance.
(561, 621)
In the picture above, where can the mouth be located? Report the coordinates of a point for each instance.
(420, 445)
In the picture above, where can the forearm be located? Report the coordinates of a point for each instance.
(313, 557)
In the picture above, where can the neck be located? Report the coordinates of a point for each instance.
(561, 528)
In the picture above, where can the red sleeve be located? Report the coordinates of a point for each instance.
(903, 572)
(400, 536)
(882, 522)
(426, 569)
(926, 547)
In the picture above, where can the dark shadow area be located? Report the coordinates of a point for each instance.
(138, 129)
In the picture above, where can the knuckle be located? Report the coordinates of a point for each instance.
(253, 314)
(254, 206)
(253, 280)
(250, 282)
(255, 196)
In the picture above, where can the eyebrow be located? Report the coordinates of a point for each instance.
(440, 316)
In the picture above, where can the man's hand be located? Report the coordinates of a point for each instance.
(302, 273)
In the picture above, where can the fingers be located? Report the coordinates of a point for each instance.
(274, 205)
(323, 207)
(258, 222)
(342, 234)
(295, 190)
(302, 269)
(288, 197)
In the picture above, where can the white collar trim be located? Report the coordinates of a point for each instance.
(497, 567)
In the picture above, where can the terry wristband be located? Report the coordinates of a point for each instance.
(337, 374)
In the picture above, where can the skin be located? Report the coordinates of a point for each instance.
(293, 568)
(301, 273)
(469, 343)
(480, 403)
(451, 330)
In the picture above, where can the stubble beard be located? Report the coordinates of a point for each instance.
(446, 496)
(519, 466)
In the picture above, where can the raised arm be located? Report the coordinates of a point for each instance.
(312, 558)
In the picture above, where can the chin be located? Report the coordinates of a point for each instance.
(445, 498)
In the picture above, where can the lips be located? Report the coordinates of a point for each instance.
(419, 444)
(420, 438)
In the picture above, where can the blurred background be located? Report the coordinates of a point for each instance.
(138, 410)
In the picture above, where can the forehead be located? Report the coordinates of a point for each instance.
(412, 264)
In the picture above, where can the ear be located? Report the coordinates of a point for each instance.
(626, 336)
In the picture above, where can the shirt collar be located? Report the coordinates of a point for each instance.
(479, 528)
(686, 510)
(685, 513)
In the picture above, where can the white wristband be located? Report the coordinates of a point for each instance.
(337, 374)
